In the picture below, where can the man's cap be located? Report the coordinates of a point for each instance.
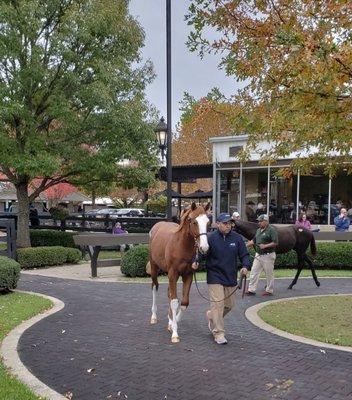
(235, 214)
(224, 217)
(263, 217)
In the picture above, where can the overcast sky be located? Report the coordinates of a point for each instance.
(189, 72)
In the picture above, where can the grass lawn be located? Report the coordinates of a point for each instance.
(279, 273)
(327, 319)
(106, 254)
(15, 308)
(3, 246)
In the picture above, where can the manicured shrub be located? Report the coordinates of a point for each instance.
(156, 205)
(9, 273)
(134, 261)
(59, 213)
(73, 256)
(51, 238)
(330, 255)
(37, 257)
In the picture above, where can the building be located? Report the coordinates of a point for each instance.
(252, 188)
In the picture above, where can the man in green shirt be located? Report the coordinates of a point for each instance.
(264, 242)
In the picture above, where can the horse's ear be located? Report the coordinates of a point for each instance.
(193, 206)
(207, 207)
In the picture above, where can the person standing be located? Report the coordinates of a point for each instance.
(342, 222)
(264, 242)
(225, 246)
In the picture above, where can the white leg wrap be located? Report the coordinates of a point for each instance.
(179, 313)
(174, 307)
(154, 319)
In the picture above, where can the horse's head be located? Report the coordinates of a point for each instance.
(197, 221)
(246, 229)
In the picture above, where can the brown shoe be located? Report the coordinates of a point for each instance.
(249, 293)
(265, 293)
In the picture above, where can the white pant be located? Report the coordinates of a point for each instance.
(262, 262)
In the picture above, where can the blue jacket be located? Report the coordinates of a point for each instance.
(341, 224)
(221, 259)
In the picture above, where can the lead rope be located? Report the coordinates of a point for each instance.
(243, 279)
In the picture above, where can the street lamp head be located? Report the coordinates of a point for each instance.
(161, 133)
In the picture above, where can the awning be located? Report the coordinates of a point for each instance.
(199, 194)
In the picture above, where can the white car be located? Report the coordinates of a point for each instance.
(129, 212)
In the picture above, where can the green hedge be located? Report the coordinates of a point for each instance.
(45, 237)
(134, 261)
(73, 256)
(9, 273)
(330, 255)
(36, 257)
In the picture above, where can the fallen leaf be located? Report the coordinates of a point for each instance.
(63, 331)
(322, 351)
(285, 384)
(90, 370)
(269, 386)
(69, 395)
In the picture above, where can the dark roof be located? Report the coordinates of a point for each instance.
(187, 173)
(199, 194)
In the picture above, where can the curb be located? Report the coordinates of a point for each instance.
(252, 315)
(11, 359)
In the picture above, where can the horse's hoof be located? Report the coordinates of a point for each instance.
(290, 287)
(153, 321)
(175, 339)
(183, 308)
(317, 283)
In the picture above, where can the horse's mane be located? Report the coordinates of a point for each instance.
(183, 217)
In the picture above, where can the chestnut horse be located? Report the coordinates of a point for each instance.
(290, 238)
(172, 249)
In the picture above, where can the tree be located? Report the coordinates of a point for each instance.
(200, 120)
(296, 61)
(72, 96)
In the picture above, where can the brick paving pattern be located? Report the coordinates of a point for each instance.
(101, 346)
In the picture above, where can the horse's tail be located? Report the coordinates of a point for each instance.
(313, 247)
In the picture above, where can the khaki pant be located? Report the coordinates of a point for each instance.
(219, 309)
(262, 262)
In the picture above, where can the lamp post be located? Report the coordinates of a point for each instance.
(162, 135)
(167, 144)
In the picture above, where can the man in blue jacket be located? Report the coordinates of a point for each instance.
(342, 222)
(225, 246)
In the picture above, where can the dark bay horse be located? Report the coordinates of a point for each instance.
(172, 249)
(290, 238)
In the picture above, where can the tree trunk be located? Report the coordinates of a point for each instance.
(23, 239)
(93, 198)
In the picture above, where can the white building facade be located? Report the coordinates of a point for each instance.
(252, 188)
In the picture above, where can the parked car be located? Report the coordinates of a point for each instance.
(111, 212)
(130, 212)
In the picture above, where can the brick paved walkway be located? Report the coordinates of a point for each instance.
(105, 327)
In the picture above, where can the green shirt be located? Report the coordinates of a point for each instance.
(268, 235)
